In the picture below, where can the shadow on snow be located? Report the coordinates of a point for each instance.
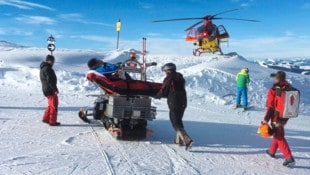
(225, 135)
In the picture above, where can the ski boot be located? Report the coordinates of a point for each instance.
(178, 142)
(289, 162)
(238, 105)
(189, 145)
(55, 124)
(182, 135)
(271, 155)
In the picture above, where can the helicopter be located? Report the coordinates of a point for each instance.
(208, 36)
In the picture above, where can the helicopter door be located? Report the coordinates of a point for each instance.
(192, 35)
(222, 34)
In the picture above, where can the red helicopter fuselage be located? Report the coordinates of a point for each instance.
(208, 29)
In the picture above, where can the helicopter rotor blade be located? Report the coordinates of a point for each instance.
(238, 19)
(177, 19)
(194, 25)
(226, 11)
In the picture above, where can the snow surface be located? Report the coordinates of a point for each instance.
(225, 139)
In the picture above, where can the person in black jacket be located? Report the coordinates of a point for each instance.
(174, 90)
(49, 87)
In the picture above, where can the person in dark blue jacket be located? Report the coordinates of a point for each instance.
(104, 68)
(109, 70)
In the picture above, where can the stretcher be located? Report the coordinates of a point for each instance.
(123, 87)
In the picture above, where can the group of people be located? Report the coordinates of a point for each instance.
(173, 89)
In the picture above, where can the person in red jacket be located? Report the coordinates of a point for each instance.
(277, 123)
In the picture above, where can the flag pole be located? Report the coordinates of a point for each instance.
(118, 29)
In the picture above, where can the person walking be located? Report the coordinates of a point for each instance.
(280, 85)
(243, 80)
(49, 87)
(173, 89)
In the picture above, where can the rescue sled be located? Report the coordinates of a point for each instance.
(125, 107)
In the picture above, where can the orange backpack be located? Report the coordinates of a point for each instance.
(287, 102)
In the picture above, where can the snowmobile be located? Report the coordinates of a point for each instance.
(124, 115)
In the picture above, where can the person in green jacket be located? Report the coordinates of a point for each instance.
(243, 80)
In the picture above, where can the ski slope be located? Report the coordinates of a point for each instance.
(225, 139)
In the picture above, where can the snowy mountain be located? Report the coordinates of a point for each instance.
(6, 46)
(225, 138)
(296, 65)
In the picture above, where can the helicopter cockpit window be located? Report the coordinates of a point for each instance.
(211, 30)
(200, 29)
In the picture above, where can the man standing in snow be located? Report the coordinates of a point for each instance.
(173, 89)
(277, 123)
(243, 79)
(49, 86)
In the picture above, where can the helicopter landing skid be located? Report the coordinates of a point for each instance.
(199, 51)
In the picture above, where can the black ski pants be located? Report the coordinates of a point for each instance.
(176, 116)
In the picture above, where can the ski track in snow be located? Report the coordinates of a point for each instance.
(118, 148)
(182, 162)
(103, 153)
(225, 139)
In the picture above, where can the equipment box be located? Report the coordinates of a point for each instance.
(130, 108)
(130, 101)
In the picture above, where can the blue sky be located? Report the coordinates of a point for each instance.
(80, 24)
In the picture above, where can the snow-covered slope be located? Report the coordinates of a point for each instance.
(225, 139)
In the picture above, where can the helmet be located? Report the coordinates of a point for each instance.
(264, 130)
(169, 67)
(132, 55)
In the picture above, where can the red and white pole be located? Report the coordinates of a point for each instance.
(144, 58)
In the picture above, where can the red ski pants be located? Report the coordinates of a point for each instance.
(280, 142)
(50, 114)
